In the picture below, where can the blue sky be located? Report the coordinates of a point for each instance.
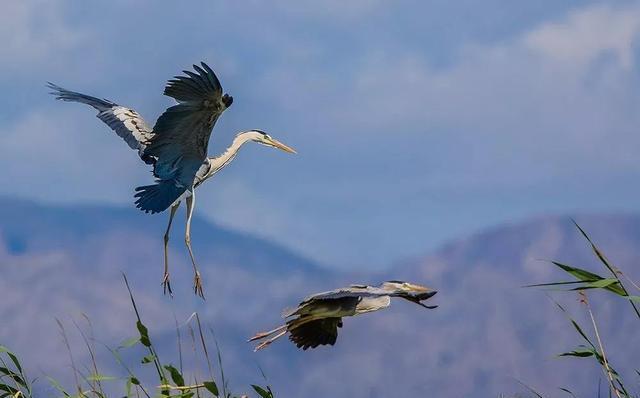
(415, 121)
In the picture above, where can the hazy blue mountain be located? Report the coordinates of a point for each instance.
(65, 261)
(487, 333)
(27, 227)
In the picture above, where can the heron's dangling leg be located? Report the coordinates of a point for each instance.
(197, 282)
(271, 340)
(262, 335)
(165, 279)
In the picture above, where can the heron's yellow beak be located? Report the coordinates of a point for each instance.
(419, 293)
(281, 146)
(417, 288)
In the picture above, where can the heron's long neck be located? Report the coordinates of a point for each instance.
(220, 161)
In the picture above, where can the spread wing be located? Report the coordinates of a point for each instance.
(181, 137)
(326, 307)
(181, 133)
(126, 122)
(315, 333)
(351, 291)
(347, 295)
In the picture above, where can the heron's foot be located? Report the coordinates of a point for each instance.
(262, 345)
(260, 335)
(283, 331)
(166, 284)
(197, 285)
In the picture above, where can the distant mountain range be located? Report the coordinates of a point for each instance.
(63, 261)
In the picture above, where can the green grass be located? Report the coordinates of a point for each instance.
(591, 345)
(170, 378)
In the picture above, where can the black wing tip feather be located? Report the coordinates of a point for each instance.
(57, 90)
(206, 67)
(63, 94)
(53, 86)
(194, 86)
(207, 72)
(198, 69)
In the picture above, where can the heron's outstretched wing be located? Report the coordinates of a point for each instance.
(326, 307)
(351, 291)
(181, 137)
(315, 333)
(126, 122)
(369, 304)
(181, 134)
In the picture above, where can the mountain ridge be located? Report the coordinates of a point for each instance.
(24, 219)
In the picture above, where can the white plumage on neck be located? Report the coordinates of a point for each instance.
(217, 163)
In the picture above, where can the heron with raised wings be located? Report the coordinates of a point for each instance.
(317, 318)
(176, 147)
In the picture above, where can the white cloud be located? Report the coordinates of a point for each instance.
(537, 102)
(589, 33)
(331, 9)
(52, 153)
(35, 31)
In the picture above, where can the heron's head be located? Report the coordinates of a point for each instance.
(263, 138)
(409, 291)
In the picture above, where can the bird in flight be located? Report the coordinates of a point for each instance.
(176, 146)
(316, 319)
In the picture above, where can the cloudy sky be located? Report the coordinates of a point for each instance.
(415, 121)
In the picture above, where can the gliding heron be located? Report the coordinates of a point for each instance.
(176, 146)
(316, 319)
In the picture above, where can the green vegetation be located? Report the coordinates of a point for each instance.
(91, 383)
(13, 381)
(591, 346)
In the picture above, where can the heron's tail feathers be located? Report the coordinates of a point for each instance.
(66, 95)
(289, 312)
(158, 197)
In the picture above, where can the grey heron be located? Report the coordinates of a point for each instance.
(317, 318)
(176, 147)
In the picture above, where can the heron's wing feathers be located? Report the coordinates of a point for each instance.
(351, 291)
(368, 304)
(181, 133)
(355, 292)
(126, 122)
(356, 286)
(315, 333)
(194, 87)
(326, 307)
